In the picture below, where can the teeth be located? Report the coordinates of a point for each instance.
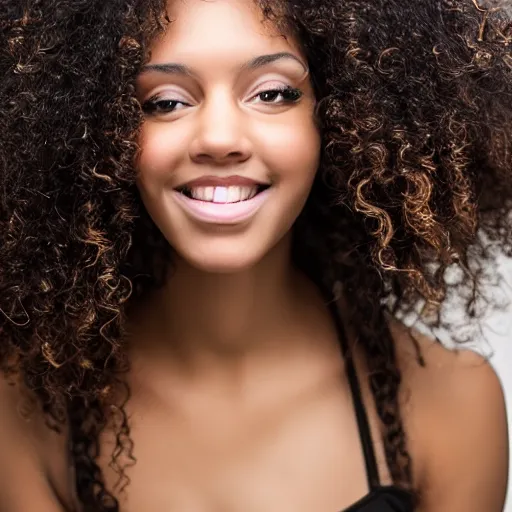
(208, 193)
(233, 194)
(223, 194)
(220, 195)
(247, 193)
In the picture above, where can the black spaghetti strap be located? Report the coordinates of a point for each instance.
(372, 472)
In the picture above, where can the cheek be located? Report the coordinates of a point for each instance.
(161, 153)
(292, 152)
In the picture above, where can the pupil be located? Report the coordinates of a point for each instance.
(166, 104)
(269, 95)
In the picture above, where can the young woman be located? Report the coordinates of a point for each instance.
(212, 215)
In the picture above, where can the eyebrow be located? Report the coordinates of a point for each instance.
(258, 62)
(264, 60)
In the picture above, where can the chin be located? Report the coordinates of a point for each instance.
(221, 267)
(222, 260)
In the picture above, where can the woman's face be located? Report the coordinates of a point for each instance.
(229, 143)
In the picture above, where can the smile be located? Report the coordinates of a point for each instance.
(223, 194)
(220, 204)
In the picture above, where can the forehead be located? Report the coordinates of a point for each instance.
(210, 28)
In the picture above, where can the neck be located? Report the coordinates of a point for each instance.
(200, 317)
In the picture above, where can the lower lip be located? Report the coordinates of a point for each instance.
(221, 213)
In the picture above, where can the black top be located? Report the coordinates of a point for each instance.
(380, 498)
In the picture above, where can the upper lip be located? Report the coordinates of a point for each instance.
(222, 181)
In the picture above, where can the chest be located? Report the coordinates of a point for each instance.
(300, 455)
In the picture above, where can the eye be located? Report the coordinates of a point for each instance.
(278, 95)
(155, 106)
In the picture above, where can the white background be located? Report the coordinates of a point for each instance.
(499, 335)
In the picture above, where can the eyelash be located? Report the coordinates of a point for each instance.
(153, 106)
(289, 94)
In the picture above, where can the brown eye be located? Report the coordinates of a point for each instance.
(161, 106)
(280, 95)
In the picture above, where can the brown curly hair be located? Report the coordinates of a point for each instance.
(414, 106)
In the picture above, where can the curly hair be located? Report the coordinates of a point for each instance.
(414, 106)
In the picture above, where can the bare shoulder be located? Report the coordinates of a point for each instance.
(28, 454)
(449, 375)
(455, 415)
(18, 423)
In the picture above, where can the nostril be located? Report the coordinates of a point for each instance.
(209, 156)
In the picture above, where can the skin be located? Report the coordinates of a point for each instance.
(227, 129)
(249, 408)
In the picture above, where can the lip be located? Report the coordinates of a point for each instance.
(221, 213)
(221, 181)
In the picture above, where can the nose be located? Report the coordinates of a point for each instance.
(220, 136)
